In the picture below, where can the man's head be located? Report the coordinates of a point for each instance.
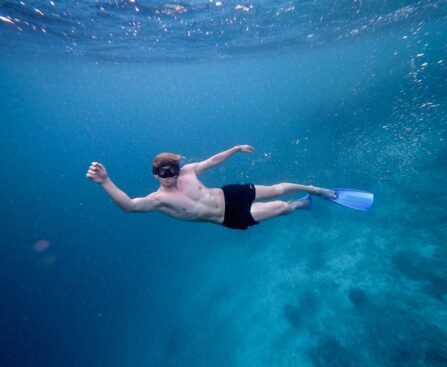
(166, 168)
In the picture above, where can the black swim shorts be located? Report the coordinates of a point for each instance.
(238, 200)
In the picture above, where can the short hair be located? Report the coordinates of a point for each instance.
(166, 158)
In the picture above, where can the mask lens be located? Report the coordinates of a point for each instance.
(167, 171)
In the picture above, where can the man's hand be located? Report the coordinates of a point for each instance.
(97, 173)
(246, 148)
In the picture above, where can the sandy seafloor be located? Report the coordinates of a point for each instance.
(84, 284)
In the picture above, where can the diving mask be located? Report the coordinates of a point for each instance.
(166, 170)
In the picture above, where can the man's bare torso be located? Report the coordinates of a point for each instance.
(189, 199)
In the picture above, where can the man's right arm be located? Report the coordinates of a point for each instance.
(127, 204)
(98, 174)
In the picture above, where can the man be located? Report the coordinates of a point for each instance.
(182, 196)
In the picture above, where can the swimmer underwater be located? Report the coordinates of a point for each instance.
(183, 196)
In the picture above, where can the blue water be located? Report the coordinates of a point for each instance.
(330, 93)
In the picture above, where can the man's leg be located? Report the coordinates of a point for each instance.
(268, 192)
(272, 209)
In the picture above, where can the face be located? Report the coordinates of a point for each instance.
(167, 174)
(167, 171)
(167, 181)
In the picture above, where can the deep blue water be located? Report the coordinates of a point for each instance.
(330, 93)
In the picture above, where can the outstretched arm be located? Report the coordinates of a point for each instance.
(97, 173)
(220, 157)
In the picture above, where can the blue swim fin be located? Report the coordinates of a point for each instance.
(354, 199)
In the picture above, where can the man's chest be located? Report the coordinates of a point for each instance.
(190, 189)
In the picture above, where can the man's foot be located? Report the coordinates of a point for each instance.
(304, 203)
(324, 193)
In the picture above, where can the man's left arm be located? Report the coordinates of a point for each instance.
(220, 157)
